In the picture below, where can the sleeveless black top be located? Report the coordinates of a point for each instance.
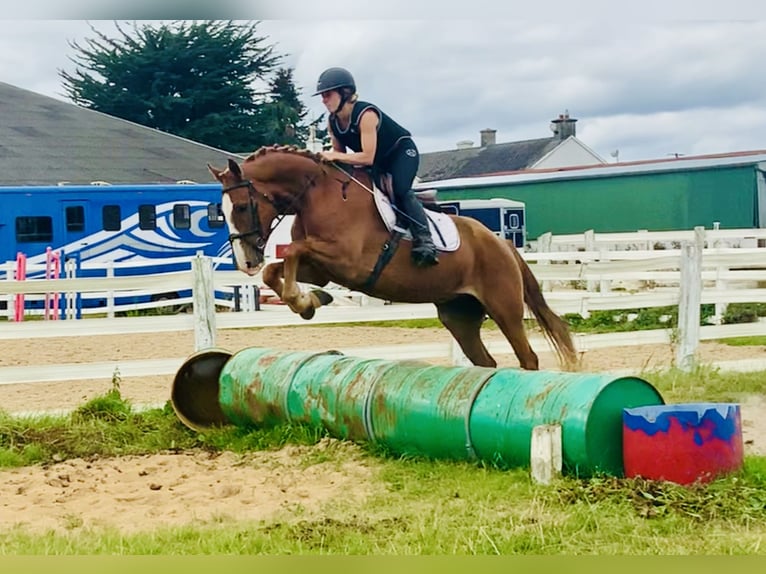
(389, 132)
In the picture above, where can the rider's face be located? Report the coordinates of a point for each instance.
(331, 100)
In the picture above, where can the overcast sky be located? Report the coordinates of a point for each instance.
(648, 87)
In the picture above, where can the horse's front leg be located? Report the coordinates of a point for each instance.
(305, 304)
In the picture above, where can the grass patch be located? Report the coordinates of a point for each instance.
(415, 506)
(108, 426)
(706, 384)
(743, 341)
(445, 508)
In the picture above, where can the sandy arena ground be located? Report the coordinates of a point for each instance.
(132, 493)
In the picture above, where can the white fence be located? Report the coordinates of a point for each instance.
(109, 288)
(573, 281)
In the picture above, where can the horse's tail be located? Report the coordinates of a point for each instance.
(554, 327)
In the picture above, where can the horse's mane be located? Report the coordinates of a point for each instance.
(289, 149)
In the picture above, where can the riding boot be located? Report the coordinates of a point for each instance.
(423, 248)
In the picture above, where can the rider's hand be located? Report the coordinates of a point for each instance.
(330, 155)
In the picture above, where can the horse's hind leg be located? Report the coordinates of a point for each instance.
(508, 312)
(463, 317)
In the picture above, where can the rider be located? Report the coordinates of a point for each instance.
(376, 140)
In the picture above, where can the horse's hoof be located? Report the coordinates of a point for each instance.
(308, 313)
(323, 297)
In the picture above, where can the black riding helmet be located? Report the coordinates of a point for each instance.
(334, 79)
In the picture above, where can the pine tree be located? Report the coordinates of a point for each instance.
(284, 115)
(193, 79)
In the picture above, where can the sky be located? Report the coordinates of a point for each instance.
(647, 84)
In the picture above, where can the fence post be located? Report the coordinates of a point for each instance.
(21, 275)
(203, 298)
(644, 244)
(544, 243)
(590, 246)
(689, 303)
(110, 294)
(52, 271)
(10, 275)
(457, 357)
(70, 307)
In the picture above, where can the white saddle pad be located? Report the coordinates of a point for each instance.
(443, 230)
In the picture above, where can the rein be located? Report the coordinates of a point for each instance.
(349, 180)
(257, 229)
(368, 190)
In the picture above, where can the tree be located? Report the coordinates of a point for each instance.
(284, 114)
(192, 79)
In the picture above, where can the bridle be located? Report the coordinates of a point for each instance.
(257, 229)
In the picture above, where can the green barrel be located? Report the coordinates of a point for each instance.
(255, 384)
(194, 395)
(420, 409)
(587, 406)
(332, 392)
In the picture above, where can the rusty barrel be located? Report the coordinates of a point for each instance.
(413, 408)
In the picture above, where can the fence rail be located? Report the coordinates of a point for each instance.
(573, 281)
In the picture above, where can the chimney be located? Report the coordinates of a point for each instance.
(563, 126)
(487, 137)
(464, 144)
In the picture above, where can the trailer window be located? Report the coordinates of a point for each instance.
(111, 218)
(215, 215)
(181, 216)
(147, 217)
(33, 229)
(75, 218)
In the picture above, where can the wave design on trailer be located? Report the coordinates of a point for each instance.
(133, 244)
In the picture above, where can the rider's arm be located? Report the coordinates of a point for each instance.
(368, 131)
(336, 145)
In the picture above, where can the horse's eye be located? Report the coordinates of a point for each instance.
(242, 208)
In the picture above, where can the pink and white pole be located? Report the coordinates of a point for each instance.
(20, 275)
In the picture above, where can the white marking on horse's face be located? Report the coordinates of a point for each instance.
(247, 259)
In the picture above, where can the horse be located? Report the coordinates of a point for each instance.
(339, 236)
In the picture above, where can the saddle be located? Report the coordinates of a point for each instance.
(426, 196)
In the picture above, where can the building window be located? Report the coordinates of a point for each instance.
(31, 229)
(111, 218)
(181, 216)
(215, 215)
(75, 218)
(147, 217)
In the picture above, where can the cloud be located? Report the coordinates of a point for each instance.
(648, 85)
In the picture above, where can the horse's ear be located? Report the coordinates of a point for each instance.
(216, 172)
(234, 168)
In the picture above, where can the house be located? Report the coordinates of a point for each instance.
(45, 141)
(562, 149)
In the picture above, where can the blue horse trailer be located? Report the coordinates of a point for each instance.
(505, 217)
(95, 224)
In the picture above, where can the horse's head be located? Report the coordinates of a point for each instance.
(271, 183)
(245, 212)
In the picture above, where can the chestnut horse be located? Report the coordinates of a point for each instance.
(338, 236)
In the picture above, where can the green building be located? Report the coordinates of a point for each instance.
(658, 195)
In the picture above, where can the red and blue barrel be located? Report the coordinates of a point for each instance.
(682, 443)
(412, 407)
